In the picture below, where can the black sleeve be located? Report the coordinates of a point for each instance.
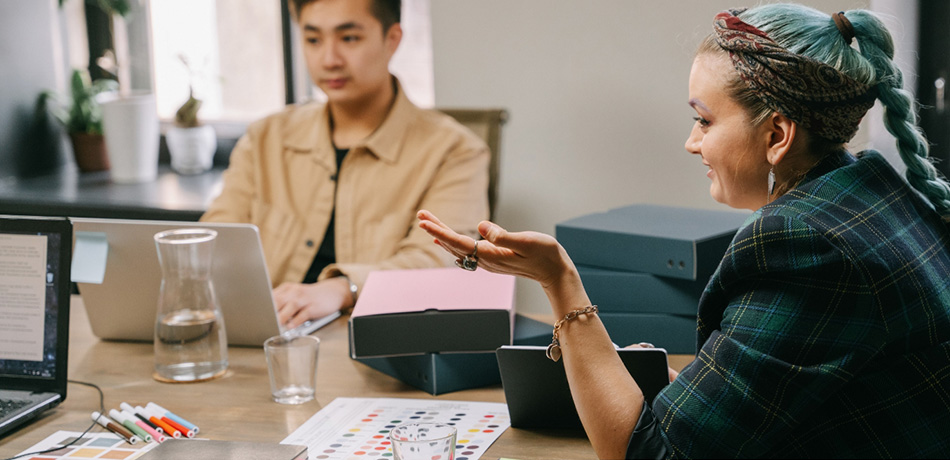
(646, 440)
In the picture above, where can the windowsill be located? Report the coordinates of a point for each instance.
(171, 196)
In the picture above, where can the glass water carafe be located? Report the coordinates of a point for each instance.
(190, 341)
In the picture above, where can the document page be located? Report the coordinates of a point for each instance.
(22, 296)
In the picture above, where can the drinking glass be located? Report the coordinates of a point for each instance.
(292, 367)
(423, 441)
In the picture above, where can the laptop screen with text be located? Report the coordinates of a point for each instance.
(33, 300)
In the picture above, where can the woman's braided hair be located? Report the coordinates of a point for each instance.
(812, 33)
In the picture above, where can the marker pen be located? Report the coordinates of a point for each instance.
(178, 431)
(156, 436)
(171, 415)
(130, 425)
(152, 417)
(184, 431)
(166, 417)
(131, 410)
(108, 424)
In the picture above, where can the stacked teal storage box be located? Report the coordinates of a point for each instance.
(646, 266)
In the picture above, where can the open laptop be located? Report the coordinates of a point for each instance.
(537, 392)
(34, 316)
(117, 272)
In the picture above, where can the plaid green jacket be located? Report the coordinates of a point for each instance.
(825, 331)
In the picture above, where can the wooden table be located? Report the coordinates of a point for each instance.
(238, 405)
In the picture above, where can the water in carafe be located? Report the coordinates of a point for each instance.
(190, 338)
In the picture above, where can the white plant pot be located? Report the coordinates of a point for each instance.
(130, 126)
(191, 149)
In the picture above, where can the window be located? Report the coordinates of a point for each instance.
(229, 51)
(413, 60)
(235, 57)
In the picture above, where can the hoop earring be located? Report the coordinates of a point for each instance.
(771, 181)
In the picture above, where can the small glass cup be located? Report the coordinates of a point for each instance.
(292, 367)
(423, 441)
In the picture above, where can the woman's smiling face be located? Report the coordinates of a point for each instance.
(723, 135)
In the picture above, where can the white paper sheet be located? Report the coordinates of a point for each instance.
(359, 427)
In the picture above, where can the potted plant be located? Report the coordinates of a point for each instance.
(129, 118)
(191, 144)
(82, 118)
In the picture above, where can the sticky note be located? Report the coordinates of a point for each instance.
(89, 257)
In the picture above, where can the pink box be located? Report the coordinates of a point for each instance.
(410, 312)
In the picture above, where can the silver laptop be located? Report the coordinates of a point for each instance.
(117, 272)
(34, 316)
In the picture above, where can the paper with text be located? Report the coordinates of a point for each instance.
(22, 296)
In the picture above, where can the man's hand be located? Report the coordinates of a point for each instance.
(298, 303)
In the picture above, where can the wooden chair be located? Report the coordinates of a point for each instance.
(485, 123)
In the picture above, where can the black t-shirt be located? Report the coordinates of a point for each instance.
(326, 255)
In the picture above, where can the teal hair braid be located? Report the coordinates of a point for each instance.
(900, 116)
(812, 33)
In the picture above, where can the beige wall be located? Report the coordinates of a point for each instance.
(597, 94)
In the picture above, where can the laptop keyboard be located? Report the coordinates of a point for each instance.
(9, 406)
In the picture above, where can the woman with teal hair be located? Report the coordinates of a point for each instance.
(825, 331)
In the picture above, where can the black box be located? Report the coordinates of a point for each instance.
(439, 373)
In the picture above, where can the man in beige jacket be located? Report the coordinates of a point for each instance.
(334, 188)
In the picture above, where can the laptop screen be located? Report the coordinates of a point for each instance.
(34, 298)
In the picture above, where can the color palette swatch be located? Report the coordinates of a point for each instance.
(358, 428)
(93, 445)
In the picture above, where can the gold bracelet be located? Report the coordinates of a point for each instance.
(554, 349)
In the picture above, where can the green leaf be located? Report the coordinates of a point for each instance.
(50, 102)
(84, 113)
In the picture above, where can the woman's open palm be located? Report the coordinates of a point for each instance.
(532, 255)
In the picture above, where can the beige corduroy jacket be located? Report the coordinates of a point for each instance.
(281, 178)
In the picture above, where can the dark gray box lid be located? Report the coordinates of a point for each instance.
(661, 240)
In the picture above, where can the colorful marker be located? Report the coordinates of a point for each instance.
(119, 417)
(182, 431)
(179, 427)
(171, 415)
(131, 410)
(152, 417)
(119, 430)
(156, 436)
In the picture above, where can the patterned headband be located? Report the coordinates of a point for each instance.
(813, 94)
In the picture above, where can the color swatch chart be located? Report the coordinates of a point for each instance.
(92, 445)
(358, 428)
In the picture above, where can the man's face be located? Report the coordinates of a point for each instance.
(346, 51)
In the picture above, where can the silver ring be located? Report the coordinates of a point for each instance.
(470, 262)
